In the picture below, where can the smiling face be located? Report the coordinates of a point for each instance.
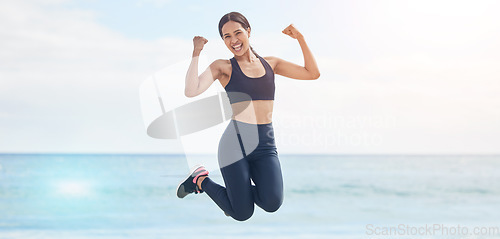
(236, 37)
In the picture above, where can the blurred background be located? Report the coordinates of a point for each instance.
(401, 127)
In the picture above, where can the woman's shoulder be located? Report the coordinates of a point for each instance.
(222, 65)
(272, 60)
(221, 62)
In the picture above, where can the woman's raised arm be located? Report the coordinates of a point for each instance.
(195, 84)
(310, 69)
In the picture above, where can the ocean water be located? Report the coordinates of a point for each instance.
(326, 196)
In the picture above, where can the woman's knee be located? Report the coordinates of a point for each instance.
(242, 215)
(272, 204)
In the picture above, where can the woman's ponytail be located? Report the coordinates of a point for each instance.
(254, 52)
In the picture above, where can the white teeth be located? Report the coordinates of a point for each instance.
(238, 47)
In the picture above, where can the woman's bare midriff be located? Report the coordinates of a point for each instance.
(253, 112)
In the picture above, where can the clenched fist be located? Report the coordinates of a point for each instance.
(199, 42)
(292, 32)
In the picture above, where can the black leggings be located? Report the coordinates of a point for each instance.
(247, 151)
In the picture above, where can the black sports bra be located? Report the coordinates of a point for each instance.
(244, 88)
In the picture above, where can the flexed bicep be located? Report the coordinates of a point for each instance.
(207, 78)
(292, 70)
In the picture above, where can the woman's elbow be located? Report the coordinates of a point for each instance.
(315, 76)
(189, 94)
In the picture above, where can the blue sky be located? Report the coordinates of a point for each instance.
(396, 76)
(147, 20)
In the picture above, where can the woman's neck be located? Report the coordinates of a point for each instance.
(249, 56)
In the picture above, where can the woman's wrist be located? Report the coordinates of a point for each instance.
(300, 37)
(196, 52)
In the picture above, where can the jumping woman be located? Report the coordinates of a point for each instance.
(247, 151)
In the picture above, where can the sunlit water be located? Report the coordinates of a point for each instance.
(133, 196)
